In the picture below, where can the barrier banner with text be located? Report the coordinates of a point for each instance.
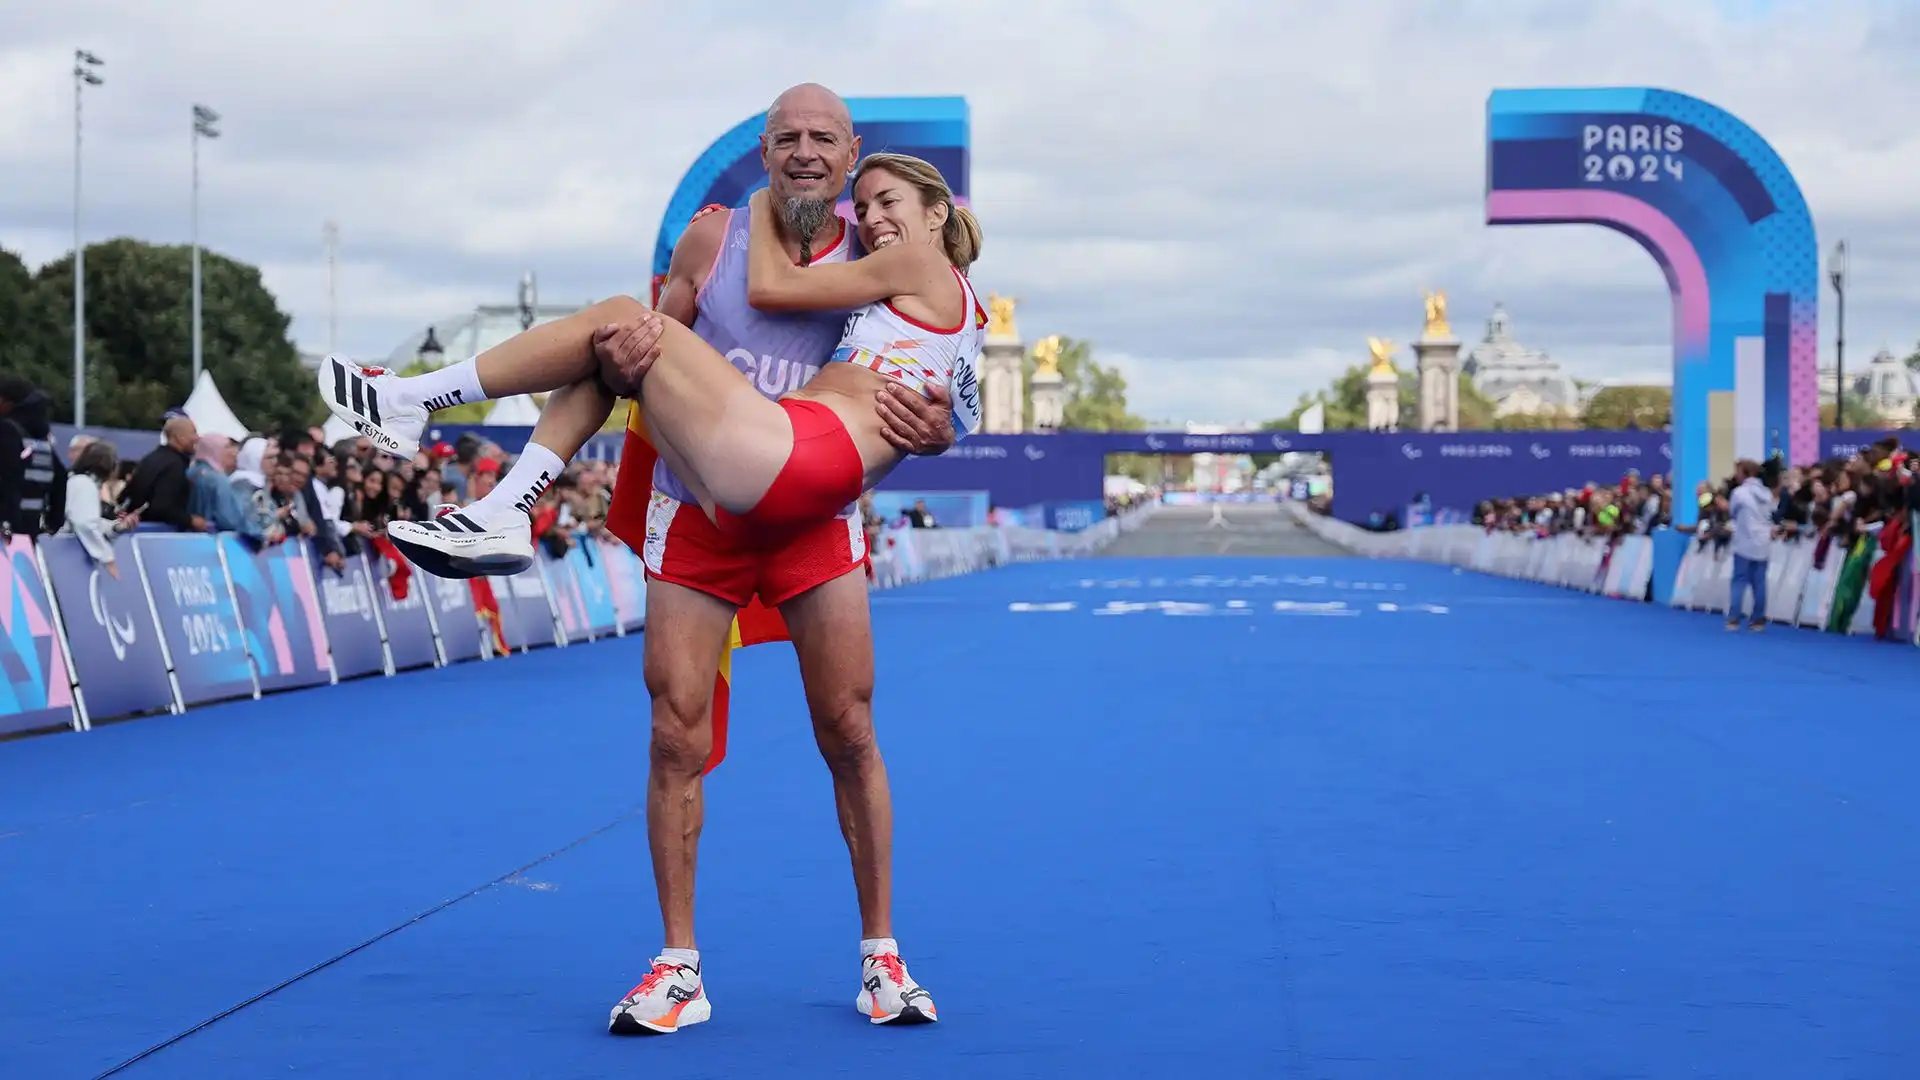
(596, 589)
(36, 692)
(569, 600)
(279, 612)
(524, 611)
(353, 623)
(455, 621)
(199, 626)
(111, 642)
(629, 587)
(410, 630)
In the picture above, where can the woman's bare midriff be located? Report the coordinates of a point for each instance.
(851, 393)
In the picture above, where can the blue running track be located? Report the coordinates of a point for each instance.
(1491, 830)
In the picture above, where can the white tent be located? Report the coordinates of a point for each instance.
(517, 411)
(210, 412)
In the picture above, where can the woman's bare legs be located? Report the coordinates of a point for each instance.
(553, 355)
(548, 357)
(572, 415)
(710, 424)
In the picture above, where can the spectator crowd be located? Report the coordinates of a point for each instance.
(268, 488)
(1853, 509)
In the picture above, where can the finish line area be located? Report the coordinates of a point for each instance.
(1302, 817)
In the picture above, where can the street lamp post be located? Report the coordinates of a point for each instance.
(430, 354)
(83, 76)
(1837, 274)
(529, 300)
(203, 121)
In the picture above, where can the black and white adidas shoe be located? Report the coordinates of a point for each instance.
(453, 545)
(368, 399)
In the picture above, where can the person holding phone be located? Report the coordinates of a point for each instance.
(86, 510)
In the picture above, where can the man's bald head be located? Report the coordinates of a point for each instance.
(809, 98)
(180, 433)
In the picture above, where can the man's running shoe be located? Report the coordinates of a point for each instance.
(668, 999)
(453, 545)
(370, 402)
(888, 995)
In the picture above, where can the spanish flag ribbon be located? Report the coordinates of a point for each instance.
(756, 624)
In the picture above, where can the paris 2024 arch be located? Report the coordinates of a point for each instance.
(1718, 210)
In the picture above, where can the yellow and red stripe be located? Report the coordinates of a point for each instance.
(756, 624)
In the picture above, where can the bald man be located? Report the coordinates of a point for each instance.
(698, 580)
(159, 488)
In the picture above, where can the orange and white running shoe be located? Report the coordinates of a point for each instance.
(888, 995)
(668, 999)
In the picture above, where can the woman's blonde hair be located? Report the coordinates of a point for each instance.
(961, 234)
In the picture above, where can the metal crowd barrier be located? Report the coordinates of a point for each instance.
(1799, 593)
(186, 619)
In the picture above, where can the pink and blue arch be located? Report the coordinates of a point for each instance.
(729, 172)
(1717, 209)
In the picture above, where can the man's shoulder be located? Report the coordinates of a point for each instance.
(707, 229)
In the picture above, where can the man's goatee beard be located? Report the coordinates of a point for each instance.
(803, 218)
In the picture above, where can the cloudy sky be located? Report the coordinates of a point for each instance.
(1227, 198)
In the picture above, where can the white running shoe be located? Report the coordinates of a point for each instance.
(889, 995)
(366, 398)
(453, 545)
(668, 999)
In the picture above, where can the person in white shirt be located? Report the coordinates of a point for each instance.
(1752, 506)
(86, 510)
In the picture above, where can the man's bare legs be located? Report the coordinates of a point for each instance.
(681, 665)
(832, 632)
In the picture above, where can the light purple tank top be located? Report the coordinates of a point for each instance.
(777, 353)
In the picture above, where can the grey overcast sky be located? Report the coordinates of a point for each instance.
(1226, 198)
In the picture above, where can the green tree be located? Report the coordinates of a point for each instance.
(1861, 414)
(139, 338)
(1346, 404)
(27, 345)
(1616, 408)
(1913, 359)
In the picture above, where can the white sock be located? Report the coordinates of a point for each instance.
(533, 472)
(689, 957)
(443, 388)
(875, 946)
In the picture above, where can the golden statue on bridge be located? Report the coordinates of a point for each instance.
(1046, 356)
(1437, 315)
(1382, 350)
(1000, 316)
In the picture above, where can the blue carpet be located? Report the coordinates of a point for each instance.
(1492, 830)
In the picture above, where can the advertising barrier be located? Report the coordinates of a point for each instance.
(186, 619)
(36, 692)
(196, 615)
(113, 653)
(279, 604)
(1803, 576)
(356, 636)
(408, 623)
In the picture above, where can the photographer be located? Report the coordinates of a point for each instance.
(1751, 509)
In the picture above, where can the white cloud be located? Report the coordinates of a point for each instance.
(1247, 189)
